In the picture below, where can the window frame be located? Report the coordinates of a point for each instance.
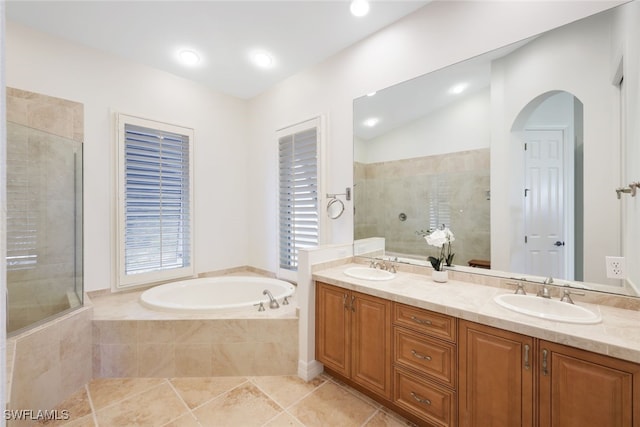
(124, 280)
(316, 122)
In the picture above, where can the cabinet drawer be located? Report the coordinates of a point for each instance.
(428, 322)
(432, 403)
(430, 357)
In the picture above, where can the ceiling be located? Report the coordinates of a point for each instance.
(297, 33)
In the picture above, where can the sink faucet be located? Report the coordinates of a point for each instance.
(272, 301)
(544, 292)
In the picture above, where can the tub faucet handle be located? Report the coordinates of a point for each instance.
(260, 306)
(272, 301)
(285, 301)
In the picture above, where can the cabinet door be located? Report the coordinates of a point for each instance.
(333, 327)
(371, 343)
(496, 377)
(579, 388)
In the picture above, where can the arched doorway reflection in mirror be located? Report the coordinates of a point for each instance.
(546, 192)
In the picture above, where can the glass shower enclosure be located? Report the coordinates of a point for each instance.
(44, 226)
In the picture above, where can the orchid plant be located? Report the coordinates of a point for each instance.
(440, 238)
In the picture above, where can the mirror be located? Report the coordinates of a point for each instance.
(517, 151)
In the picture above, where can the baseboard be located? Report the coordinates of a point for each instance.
(309, 370)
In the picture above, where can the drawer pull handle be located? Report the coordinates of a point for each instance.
(545, 363)
(419, 399)
(420, 356)
(421, 321)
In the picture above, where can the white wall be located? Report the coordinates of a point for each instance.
(439, 34)
(107, 84)
(459, 126)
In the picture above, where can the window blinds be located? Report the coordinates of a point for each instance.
(22, 202)
(298, 202)
(157, 223)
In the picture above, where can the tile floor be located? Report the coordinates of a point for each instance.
(223, 401)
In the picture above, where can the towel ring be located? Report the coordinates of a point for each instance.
(334, 212)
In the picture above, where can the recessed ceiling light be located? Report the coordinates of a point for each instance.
(371, 122)
(262, 59)
(371, 93)
(359, 7)
(189, 57)
(457, 89)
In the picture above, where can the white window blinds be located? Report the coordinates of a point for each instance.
(156, 203)
(22, 201)
(298, 201)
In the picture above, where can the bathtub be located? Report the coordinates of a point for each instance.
(213, 294)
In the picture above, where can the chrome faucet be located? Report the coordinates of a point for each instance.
(272, 301)
(544, 292)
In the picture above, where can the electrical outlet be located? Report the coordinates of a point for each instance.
(616, 267)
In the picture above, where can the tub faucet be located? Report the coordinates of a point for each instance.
(272, 301)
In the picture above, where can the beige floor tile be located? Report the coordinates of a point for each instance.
(186, 420)
(106, 391)
(154, 407)
(77, 406)
(196, 391)
(288, 389)
(284, 420)
(86, 421)
(331, 405)
(383, 419)
(244, 406)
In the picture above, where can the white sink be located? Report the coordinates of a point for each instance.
(367, 273)
(549, 309)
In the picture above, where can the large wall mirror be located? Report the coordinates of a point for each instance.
(519, 152)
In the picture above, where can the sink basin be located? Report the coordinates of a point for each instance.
(549, 309)
(366, 273)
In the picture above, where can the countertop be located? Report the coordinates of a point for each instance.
(618, 335)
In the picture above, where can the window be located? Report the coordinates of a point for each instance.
(22, 201)
(155, 204)
(299, 225)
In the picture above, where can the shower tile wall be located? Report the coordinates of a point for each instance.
(42, 129)
(455, 184)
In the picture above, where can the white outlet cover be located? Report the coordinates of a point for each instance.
(616, 267)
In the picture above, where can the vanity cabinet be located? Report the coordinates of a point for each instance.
(496, 374)
(424, 364)
(580, 388)
(509, 379)
(353, 336)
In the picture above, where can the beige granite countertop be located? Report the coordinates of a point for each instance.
(618, 335)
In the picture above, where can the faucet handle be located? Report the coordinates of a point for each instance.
(260, 306)
(566, 295)
(519, 288)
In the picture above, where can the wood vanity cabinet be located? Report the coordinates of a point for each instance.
(496, 377)
(509, 379)
(353, 336)
(425, 374)
(581, 388)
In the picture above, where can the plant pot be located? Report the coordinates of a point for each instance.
(440, 276)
